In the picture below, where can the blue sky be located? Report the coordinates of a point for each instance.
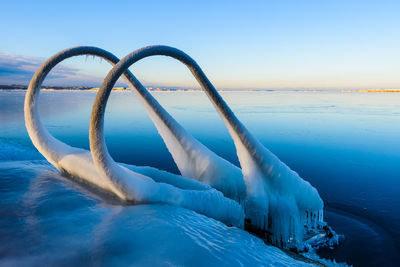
(239, 44)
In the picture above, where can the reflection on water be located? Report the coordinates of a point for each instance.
(343, 143)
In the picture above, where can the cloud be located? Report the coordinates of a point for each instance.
(17, 69)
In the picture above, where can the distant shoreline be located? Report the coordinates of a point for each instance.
(378, 90)
(166, 89)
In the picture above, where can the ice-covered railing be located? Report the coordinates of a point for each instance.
(278, 200)
(59, 154)
(131, 185)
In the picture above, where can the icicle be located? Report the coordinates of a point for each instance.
(86, 57)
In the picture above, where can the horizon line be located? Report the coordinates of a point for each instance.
(155, 87)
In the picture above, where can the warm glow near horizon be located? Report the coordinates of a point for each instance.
(257, 44)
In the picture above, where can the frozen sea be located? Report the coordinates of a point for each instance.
(345, 143)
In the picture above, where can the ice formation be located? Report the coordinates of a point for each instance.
(192, 158)
(128, 185)
(278, 201)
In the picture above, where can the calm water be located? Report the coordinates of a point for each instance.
(345, 144)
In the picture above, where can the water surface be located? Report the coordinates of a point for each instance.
(343, 143)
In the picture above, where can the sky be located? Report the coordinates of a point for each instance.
(238, 44)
